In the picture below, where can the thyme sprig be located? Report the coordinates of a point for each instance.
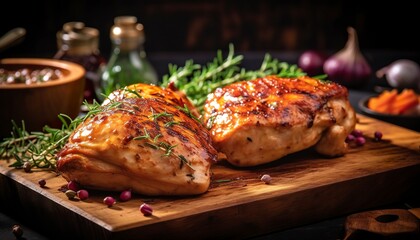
(198, 81)
(153, 142)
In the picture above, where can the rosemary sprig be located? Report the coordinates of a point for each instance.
(136, 93)
(156, 116)
(36, 148)
(198, 81)
(187, 111)
(171, 123)
(164, 114)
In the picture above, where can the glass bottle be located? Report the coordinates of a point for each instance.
(128, 63)
(80, 44)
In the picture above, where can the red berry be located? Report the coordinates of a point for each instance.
(357, 133)
(72, 185)
(82, 194)
(125, 195)
(378, 135)
(146, 209)
(350, 138)
(360, 141)
(109, 201)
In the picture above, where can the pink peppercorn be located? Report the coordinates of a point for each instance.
(125, 195)
(72, 185)
(82, 194)
(360, 141)
(357, 133)
(378, 136)
(350, 138)
(146, 209)
(109, 201)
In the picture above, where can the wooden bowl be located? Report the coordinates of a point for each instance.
(39, 104)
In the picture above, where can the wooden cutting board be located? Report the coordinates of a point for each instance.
(305, 188)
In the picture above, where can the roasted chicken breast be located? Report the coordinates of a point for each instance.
(144, 138)
(259, 121)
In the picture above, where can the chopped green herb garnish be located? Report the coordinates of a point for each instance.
(162, 145)
(187, 111)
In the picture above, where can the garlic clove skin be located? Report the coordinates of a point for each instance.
(348, 66)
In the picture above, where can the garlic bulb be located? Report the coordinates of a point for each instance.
(348, 66)
(402, 73)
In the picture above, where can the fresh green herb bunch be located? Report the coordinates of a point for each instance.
(198, 81)
(38, 149)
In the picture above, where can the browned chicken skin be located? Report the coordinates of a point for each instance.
(259, 121)
(143, 140)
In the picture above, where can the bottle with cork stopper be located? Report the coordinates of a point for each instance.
(128, 63)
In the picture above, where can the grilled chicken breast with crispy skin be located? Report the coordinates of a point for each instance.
(143, 139)
(259, 121)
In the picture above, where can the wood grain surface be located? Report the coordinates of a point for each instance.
(306, 187)
(382, 224)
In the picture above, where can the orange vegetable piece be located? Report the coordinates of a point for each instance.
(404, 101)
(382, 103)
(392, 102)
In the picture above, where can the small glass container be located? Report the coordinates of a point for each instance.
(128, 63)
(80, 44)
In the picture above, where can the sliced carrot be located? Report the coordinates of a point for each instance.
(406, 93)
(383, 101)
(373, 103)
(401, 106)
(404, 101)
(393, 102)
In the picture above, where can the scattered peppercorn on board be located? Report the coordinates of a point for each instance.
(304, 188)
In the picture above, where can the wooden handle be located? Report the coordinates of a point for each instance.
(384, 223)
(11, 38)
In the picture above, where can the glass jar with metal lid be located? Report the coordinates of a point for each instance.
(80, 44)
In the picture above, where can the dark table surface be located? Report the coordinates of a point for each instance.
(329, 229)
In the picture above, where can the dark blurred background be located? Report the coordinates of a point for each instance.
(191, 27)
